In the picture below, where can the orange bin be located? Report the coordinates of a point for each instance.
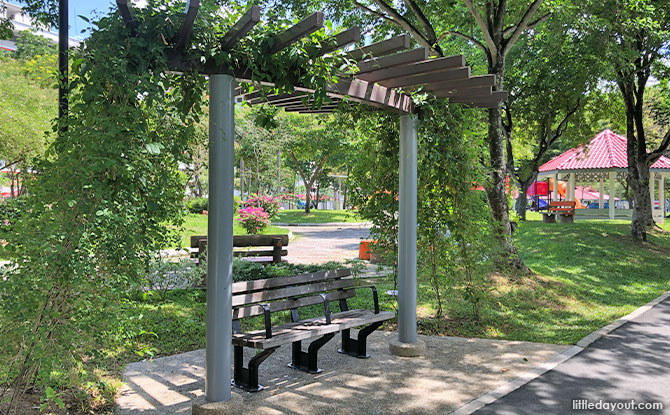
(364, 249)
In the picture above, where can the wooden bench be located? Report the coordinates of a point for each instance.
(273, 256)
(264, 297)
(565, 209)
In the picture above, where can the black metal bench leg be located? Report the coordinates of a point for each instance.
(357, 348)
(247, 378)
(307, 361)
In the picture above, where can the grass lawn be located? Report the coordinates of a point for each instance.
(317, 216)
(195, 224)
(586, 275)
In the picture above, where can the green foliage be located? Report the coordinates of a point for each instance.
(29, 105)
(11, 210)
(248, 270)
(29, 45)
(455, 233)
(109, 193)
(197, 205)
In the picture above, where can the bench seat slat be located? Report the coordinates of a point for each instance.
(294, 291)
(257, 285)
(306, 329)
(256, 310)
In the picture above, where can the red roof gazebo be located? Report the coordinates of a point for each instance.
(605, 157)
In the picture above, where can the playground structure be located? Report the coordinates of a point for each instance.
(542, 192)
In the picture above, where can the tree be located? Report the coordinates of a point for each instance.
(551, 78)
(28, 104)
(434, 25)
(634, 39)
(310, 141)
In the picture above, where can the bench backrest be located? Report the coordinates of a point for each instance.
(564, 206)
(286, 293)
(563, 203)
(240, 241)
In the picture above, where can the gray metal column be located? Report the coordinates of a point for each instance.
(220, 238)
(407, 230)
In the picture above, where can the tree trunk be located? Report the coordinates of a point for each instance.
(308, 197)
(318, 191)
(495, 191)
(642, 216)
(344, 197)
(522, 202)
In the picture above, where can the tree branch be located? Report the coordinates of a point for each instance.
(656, 154)
(522, 26)
(466, 37)
(493, 50)
(531, 25)
(405, 24)
(430, 31)
(373, 12)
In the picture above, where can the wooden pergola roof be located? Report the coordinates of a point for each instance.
(384, 69)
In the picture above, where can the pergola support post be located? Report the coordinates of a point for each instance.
(220, 238)
(601, 190)
(407, 230)
(612, 193)
(407, 344)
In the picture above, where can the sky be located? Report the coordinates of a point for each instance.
(83, 8)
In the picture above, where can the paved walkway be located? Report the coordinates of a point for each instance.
(454, 371)
(630, 363)
(320, 244)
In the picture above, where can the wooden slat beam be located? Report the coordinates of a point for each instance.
(382, 48)
(241, 27)
(412, 56)
(449, 74)
(473, 82)
(309, 108)
(126, 14)
(187, 26)
(297, 32)
(433, 65)
(336, 42)
(476, 92)
(258, 98)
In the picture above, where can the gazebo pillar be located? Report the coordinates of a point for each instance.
(407, 344)
(601, 190)
(612, 194)
(571, 186)
(220, 238)
(652, 191)
(661, 196)
(554, 195)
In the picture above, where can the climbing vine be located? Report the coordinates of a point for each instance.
(108, 194)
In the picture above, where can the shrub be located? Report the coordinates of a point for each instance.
(269, 204)
(253, 219)
(197, 205)
(200, 204)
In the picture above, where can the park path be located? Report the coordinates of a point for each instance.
(320, 244)
(630, 363)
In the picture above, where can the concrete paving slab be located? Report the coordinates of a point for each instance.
(453, 372)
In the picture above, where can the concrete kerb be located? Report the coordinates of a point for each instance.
(328, 224)
(509, 387)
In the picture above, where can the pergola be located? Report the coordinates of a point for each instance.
(604, 158)
(383, 68)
